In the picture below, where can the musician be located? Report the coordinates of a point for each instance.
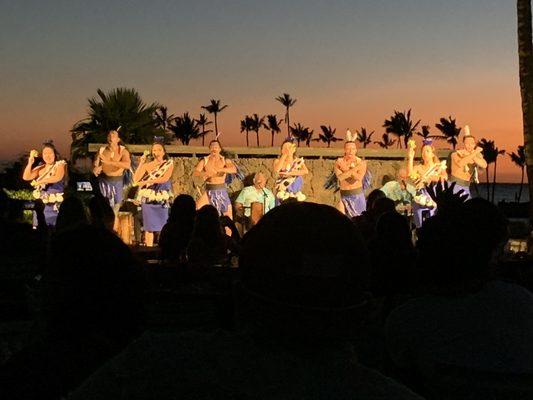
(350, 171)
(430, 170)
(47, 177)
(257, 193)
(109, 165)
(290, 171)
(213, 169)
(155, 190)
(464, 163)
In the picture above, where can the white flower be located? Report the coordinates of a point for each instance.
(36, 194)
(166, 195)
(59, 197)
(159, 196)
(300, 196)
(52, 198)
(45, 200)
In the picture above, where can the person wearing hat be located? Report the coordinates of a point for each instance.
(464, 163)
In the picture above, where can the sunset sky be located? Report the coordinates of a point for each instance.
(349, 63)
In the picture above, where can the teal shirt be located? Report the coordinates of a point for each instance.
(250, 195)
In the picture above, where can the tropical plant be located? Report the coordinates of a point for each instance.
(491, 153)
(364, 137)
(256, 123)
(246, 127)
(385, 141)
(327, 135)
(301, 133)
(273, 125)
(449, 130)
(185, 128)
(287, 101)
(119, 108)
(202, 122)
(215, 108)
(163, 120)
(525, 62)
(426, 134)
(401, 125)
(519, 159)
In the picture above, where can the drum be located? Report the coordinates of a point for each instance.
(256, 212)
(126, 227)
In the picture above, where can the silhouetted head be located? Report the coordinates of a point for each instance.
(91, 285)
(393, 228)
(207, 225)
(72, 214)
(183, 209)
(372, 197)
(456, 248)
(383, 205)
(101, 212)
(299, 275)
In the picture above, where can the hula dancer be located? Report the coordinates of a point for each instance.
(350, 171)
(465, 163)
(155, 190)
(429, 171)
(48, 180)
(109, 166)
(213, 170)
(290, 171)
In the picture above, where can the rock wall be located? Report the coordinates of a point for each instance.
(319, 170)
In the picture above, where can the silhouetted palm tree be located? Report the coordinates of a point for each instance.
(202, 122)
(215, 108)
(287, 101)
(491, 153)
(519, 159)
(256, 123)
(185, 128)
(449, 130)
(386, 141)
(273, 125)
(119, 107)
(426, 134)
(163, 120)
(364, 137)
(525, 60)
(327, 135)
(246, 127)
(401, 125)
(301, 133)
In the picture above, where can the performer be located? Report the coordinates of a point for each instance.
(290, 171)
(464, 163)
(213, 170)
(155, 190)
(109, 165)
(350, 171)
(48, 180)
(429, 171)
(257, 193)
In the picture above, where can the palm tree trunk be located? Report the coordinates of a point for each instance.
(247, 143)
(288, 124)
(494, 179)
(216, 126)
(329, 143)
(525, 60)
(257, 137)
(272, 143)
(488, 183)
(521, 185)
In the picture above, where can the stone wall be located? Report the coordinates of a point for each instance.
(319, 161)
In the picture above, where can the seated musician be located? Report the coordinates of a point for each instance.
(257, 193)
